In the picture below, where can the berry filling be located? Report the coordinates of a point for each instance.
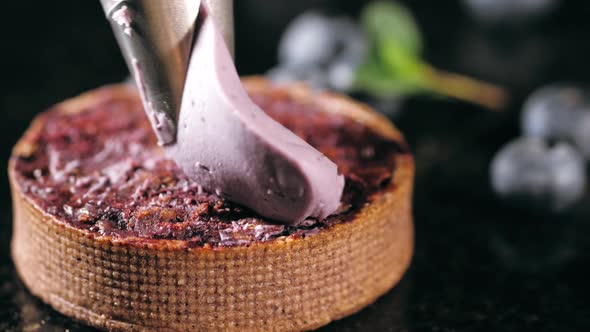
(101, 170)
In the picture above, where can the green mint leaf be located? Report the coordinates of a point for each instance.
(393, 65)
(372, 77)
(400, 64)
(386, 21)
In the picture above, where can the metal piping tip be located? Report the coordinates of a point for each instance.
(155, 38)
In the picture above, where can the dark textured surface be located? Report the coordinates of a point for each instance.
(101, 170)
(479, 265)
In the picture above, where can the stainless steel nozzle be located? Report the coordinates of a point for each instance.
(155, 37)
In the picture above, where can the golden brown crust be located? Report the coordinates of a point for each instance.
(282, 285)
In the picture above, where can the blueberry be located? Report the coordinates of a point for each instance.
(313, 76)
(559, 112)
(581, 133)
(332, 47)
(350, 50)
(341, 75)
(568, 175)
(282, 75)
(520, 167)
(497, 11)
(529, 170)
(552, 111)
(309, 39)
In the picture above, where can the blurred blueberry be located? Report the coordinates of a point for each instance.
(282, 75)
(581, 133)
(333, 47)
(309, 39)
(313, 76)
(528, 170)
(568, 174)
(350, 50)
(552, 111)
(520, 167)
(499, 11)
(341, 75)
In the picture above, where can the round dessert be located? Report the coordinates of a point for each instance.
(109, 231)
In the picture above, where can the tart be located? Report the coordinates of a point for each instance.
(109, 231)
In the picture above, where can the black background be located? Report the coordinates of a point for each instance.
(479, 265)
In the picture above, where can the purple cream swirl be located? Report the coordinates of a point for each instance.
(231, 147)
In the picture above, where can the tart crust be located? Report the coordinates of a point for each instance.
(289, 284)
